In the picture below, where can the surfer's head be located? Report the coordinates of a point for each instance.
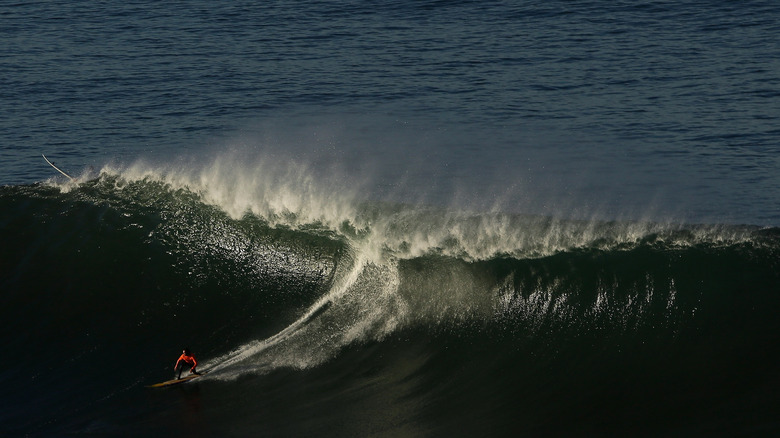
(187, 352)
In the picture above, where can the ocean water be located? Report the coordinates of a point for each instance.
(406, 218)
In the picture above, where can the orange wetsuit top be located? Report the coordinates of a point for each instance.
(190, 360)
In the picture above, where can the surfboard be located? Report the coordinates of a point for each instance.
(57, 168)
(175, 381)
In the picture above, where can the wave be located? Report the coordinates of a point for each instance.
(346, 271)
(261, 278)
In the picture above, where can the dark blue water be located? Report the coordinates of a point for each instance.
(409, 218)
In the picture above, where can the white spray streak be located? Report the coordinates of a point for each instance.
(255, 347)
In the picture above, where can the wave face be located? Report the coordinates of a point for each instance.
(405, 320)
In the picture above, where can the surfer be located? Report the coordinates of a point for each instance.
(186, 358)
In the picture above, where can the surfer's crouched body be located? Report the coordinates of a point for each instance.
(185, 359)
